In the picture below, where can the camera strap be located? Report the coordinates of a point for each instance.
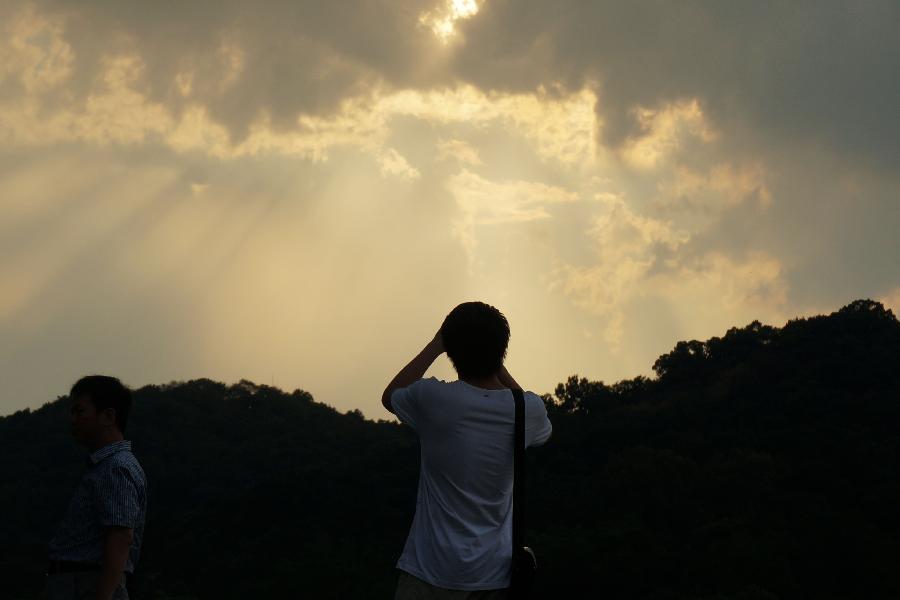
(518, 508)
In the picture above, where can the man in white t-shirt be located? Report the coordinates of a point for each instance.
(460, 542)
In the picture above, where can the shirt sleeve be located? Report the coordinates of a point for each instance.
(404, 406)
(537, 425)
(408, 403)
(118, 499)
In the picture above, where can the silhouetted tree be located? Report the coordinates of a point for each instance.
(760, 465)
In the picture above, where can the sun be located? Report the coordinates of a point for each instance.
(441, 20)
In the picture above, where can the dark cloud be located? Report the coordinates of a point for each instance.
(823, 72)
(294, 57)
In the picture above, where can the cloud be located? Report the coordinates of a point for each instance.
(277, 57)
(561, 125)
(113, 113)
(726, 290)
(722, 186)
(117, 112)
(663, 131)
(458, 151)
(813, 72)
(638, 256)
(394, 164)
(483, 202)
(756, 281)
(797, 82)
(118, 107)
(627, 246)
(33, 52)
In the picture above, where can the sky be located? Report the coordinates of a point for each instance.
(298, 192)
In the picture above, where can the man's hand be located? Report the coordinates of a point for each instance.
(116, 547)
(416, 368)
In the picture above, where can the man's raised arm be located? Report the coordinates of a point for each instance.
(414, 371)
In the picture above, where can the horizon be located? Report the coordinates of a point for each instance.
(433, 371)
(297, 194)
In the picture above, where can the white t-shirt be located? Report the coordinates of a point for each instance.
(461, 536)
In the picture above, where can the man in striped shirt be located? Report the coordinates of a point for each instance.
(99, 539)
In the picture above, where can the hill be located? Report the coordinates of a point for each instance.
(759, 465)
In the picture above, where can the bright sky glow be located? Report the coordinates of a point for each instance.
(441, 20)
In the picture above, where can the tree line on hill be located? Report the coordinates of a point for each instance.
(759, 465)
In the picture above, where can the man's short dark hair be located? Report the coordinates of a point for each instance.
(475, 338)
(105, 392)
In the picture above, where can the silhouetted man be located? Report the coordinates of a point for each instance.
(460, 542)
(99, 539)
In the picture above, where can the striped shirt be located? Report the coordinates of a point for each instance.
(112, 492)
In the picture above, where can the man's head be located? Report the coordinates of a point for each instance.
(475, 336)
(99, 408)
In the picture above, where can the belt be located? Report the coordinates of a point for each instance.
(68, 566)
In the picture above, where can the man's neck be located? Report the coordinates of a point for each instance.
(105, 440)
(487, 383)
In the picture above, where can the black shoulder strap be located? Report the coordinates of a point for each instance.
(518, 527)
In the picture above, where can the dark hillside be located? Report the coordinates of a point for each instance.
(243, 479)
(763, 464)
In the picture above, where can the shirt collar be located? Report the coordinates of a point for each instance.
(109, 450)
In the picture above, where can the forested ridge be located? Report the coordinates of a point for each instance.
(763, 464)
